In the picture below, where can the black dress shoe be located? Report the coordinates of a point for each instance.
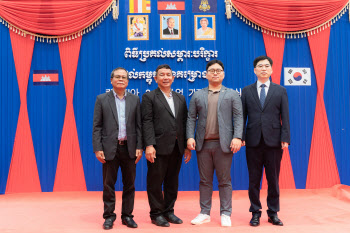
(275, 221)
(160, 221)
(129, 222)
(255, 221)
(173, 218)
(108, 224)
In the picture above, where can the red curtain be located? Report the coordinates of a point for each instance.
(69, 172)
(289, 15)
(55, 18)
(274, 47)
(23, 174)
(322, 169)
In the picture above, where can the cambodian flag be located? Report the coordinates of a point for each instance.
(171, 7)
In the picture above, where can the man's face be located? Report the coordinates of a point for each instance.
(120, 80)
(215, 74)
(171, 23)
(204, 23)
(263, 70)
(164, 78)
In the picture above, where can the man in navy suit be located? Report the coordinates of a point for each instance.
(266, 134)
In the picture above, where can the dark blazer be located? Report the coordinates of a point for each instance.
(272, 120)
(106, 127)
(167, 31)
(160, 127)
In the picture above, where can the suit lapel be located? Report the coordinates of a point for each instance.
(176, 103)
(111, 101)
(127, 107)
(269, 93)
(162, 99)
(221, 95)
(205, 98)
(254, 92)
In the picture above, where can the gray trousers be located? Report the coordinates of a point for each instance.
(211, 158)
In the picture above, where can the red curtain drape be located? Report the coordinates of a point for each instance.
(274, 47)
(322, 169)
(56, 18)
(23, 174)
(289, 15)
(69, 172)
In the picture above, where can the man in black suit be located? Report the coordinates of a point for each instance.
(164, 116)
(170, 30)
(266, 134)
(117, 142)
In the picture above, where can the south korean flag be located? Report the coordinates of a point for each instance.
(297, 76)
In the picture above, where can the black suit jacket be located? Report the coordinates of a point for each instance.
(272, 120)
(106, 127)
(167, 31)
(160, 127)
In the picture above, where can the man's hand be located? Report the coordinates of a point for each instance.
(150, 153)
(100, 156)
(284, 145)
(187, 155)
(243, 143)
(138, 155)
(236, 144)
(191, 144)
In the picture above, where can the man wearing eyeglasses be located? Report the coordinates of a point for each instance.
(164, 115)
(117, 142)
(218, 137)
(267, 133)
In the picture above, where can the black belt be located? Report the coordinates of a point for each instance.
(122, 142)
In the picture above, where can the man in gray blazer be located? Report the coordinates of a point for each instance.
(218, 136)
(117, 142)
(265, 109)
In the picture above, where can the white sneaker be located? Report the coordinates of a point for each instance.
(225, 220)
(200, 219)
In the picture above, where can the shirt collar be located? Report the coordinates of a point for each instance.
(116, 96)
(267, 84)
(170, 94)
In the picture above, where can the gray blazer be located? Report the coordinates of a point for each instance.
(230, 117)
(106, 127)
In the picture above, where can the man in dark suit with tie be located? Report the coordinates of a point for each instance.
(117, 142)
(170, 30)
(164, 116)
(266, 134)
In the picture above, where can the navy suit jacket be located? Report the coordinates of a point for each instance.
(271, 120)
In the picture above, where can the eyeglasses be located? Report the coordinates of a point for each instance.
(120, 77)
(218, 71)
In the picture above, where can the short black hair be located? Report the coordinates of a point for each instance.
(261, 58)
(119, 68)
(164, 66)
(212, 62)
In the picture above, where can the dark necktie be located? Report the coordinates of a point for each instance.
(172, 32)
(262, 95)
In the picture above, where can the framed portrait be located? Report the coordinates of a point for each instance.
(138, 27)
(170, 27)
(204, 27)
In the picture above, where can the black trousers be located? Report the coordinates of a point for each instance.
(270, 158)
(110, 172)
(163, 172)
